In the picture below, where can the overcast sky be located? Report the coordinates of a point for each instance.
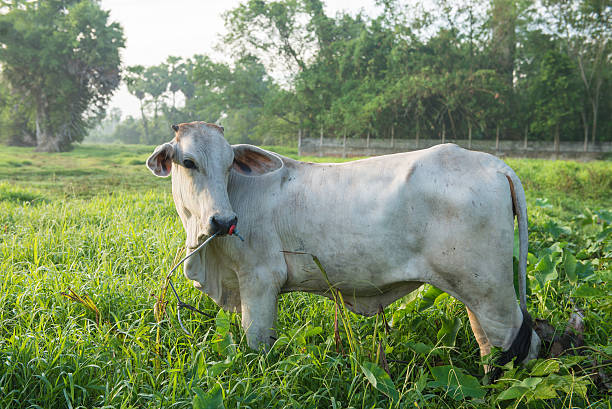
(155, 29)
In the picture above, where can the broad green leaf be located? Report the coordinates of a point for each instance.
(584, 271)
(429, 297)
(223, 342)
(588, 291)
(213, 399)
(513, 392)
(543, 391)
(421, 348)
(222, 323)
(545, 367)
(297, 336)
(582, 255)
(604, 215)
(448, 332)
(532, 260)
(411, 300)
(569, 265)
(380, 380)
(530, 383)
(217, 368)
(568, 383)
(556, 250)
(456, 382)
(605, 275)
(604, 234)
(571, 360)
(284, 340)
(421, 383)
(312, 331)
(519, 389)
(545, 270)
(439, 299)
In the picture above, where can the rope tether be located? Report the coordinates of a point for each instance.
(180, 303)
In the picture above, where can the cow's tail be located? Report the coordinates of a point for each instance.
(520, 210)
(525, 342)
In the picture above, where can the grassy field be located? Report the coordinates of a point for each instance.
(95, 221)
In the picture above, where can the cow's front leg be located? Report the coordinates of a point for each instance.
(258, 297)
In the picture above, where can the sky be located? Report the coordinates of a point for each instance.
(155, 29)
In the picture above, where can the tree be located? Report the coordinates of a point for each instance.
(273, 29)
(63, 57)
(555, 93)
(207, 102)
(137, 86)
(584, 27)
(156, 80)
(503, 40)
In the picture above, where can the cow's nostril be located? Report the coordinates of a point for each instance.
(214, 222)
(220, 225)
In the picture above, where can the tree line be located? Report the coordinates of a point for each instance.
(511, 69)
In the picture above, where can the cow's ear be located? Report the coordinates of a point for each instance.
(252, 161)
(160, 162)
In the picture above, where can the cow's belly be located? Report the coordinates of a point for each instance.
(360, 265)
(366, 304)
(369, 277)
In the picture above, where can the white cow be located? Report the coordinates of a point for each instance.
(381, 227)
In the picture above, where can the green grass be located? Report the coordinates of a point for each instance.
(96, 221)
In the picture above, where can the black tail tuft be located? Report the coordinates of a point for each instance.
(519, 348)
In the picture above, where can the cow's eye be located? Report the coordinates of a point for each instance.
(189, 164)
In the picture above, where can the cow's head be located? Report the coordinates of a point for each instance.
(199, 159)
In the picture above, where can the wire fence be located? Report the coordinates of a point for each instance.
(351, 147)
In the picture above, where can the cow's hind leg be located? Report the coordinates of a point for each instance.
(495, 315)
(481, 337)
(525, 346)
(504, 325)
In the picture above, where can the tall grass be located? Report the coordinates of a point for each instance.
(96, 222)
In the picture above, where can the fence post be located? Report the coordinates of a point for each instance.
(300, 142)
(344, 144)
(497, 140)
(557, 141)
(321, 142)
(443, 132)
(525, 142)
(469, 135)
(585, 126)
(392, 135)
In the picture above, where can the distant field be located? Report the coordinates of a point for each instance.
(96, 221)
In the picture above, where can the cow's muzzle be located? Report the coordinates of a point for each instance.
(222, 225)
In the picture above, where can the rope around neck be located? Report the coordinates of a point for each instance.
(180, 303)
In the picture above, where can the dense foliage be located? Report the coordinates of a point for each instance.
(59, 64)
(61, 228)
(509, 68)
